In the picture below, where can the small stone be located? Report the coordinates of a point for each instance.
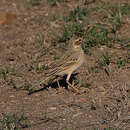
(52, 108)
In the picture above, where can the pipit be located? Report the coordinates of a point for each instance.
(69, 63)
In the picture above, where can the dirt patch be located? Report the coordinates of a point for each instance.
(39, 34)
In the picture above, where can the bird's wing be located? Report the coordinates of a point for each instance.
(51, 73)
(60, 65)
(65, 62)
(69, 57)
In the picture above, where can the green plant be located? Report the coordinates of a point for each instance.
(43, 52)
(41, 68)
(34, 3)
(106, 59)
(124, 8)
(70, 30)
(4, 72)
(54, 2)
(121, 62)
(13, 83)
(13, 122)
(116, 23)
(115, 14)
(53, 43)
(76, 14)
(30, 68)
(104, 62)
(96, 36)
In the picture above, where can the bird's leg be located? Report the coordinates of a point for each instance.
(67, 81)
(59, 87)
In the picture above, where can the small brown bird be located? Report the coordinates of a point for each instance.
(69, 63)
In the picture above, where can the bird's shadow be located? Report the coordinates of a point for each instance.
(54, 84)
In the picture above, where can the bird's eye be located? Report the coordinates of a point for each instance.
(78, 41)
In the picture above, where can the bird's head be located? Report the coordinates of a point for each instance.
(77, 43)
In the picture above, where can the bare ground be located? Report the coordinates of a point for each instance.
(26, 44)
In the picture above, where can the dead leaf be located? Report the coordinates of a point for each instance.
(6, 18)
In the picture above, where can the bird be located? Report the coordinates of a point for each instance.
(73, 58)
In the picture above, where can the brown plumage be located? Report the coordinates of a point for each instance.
(67, 64)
